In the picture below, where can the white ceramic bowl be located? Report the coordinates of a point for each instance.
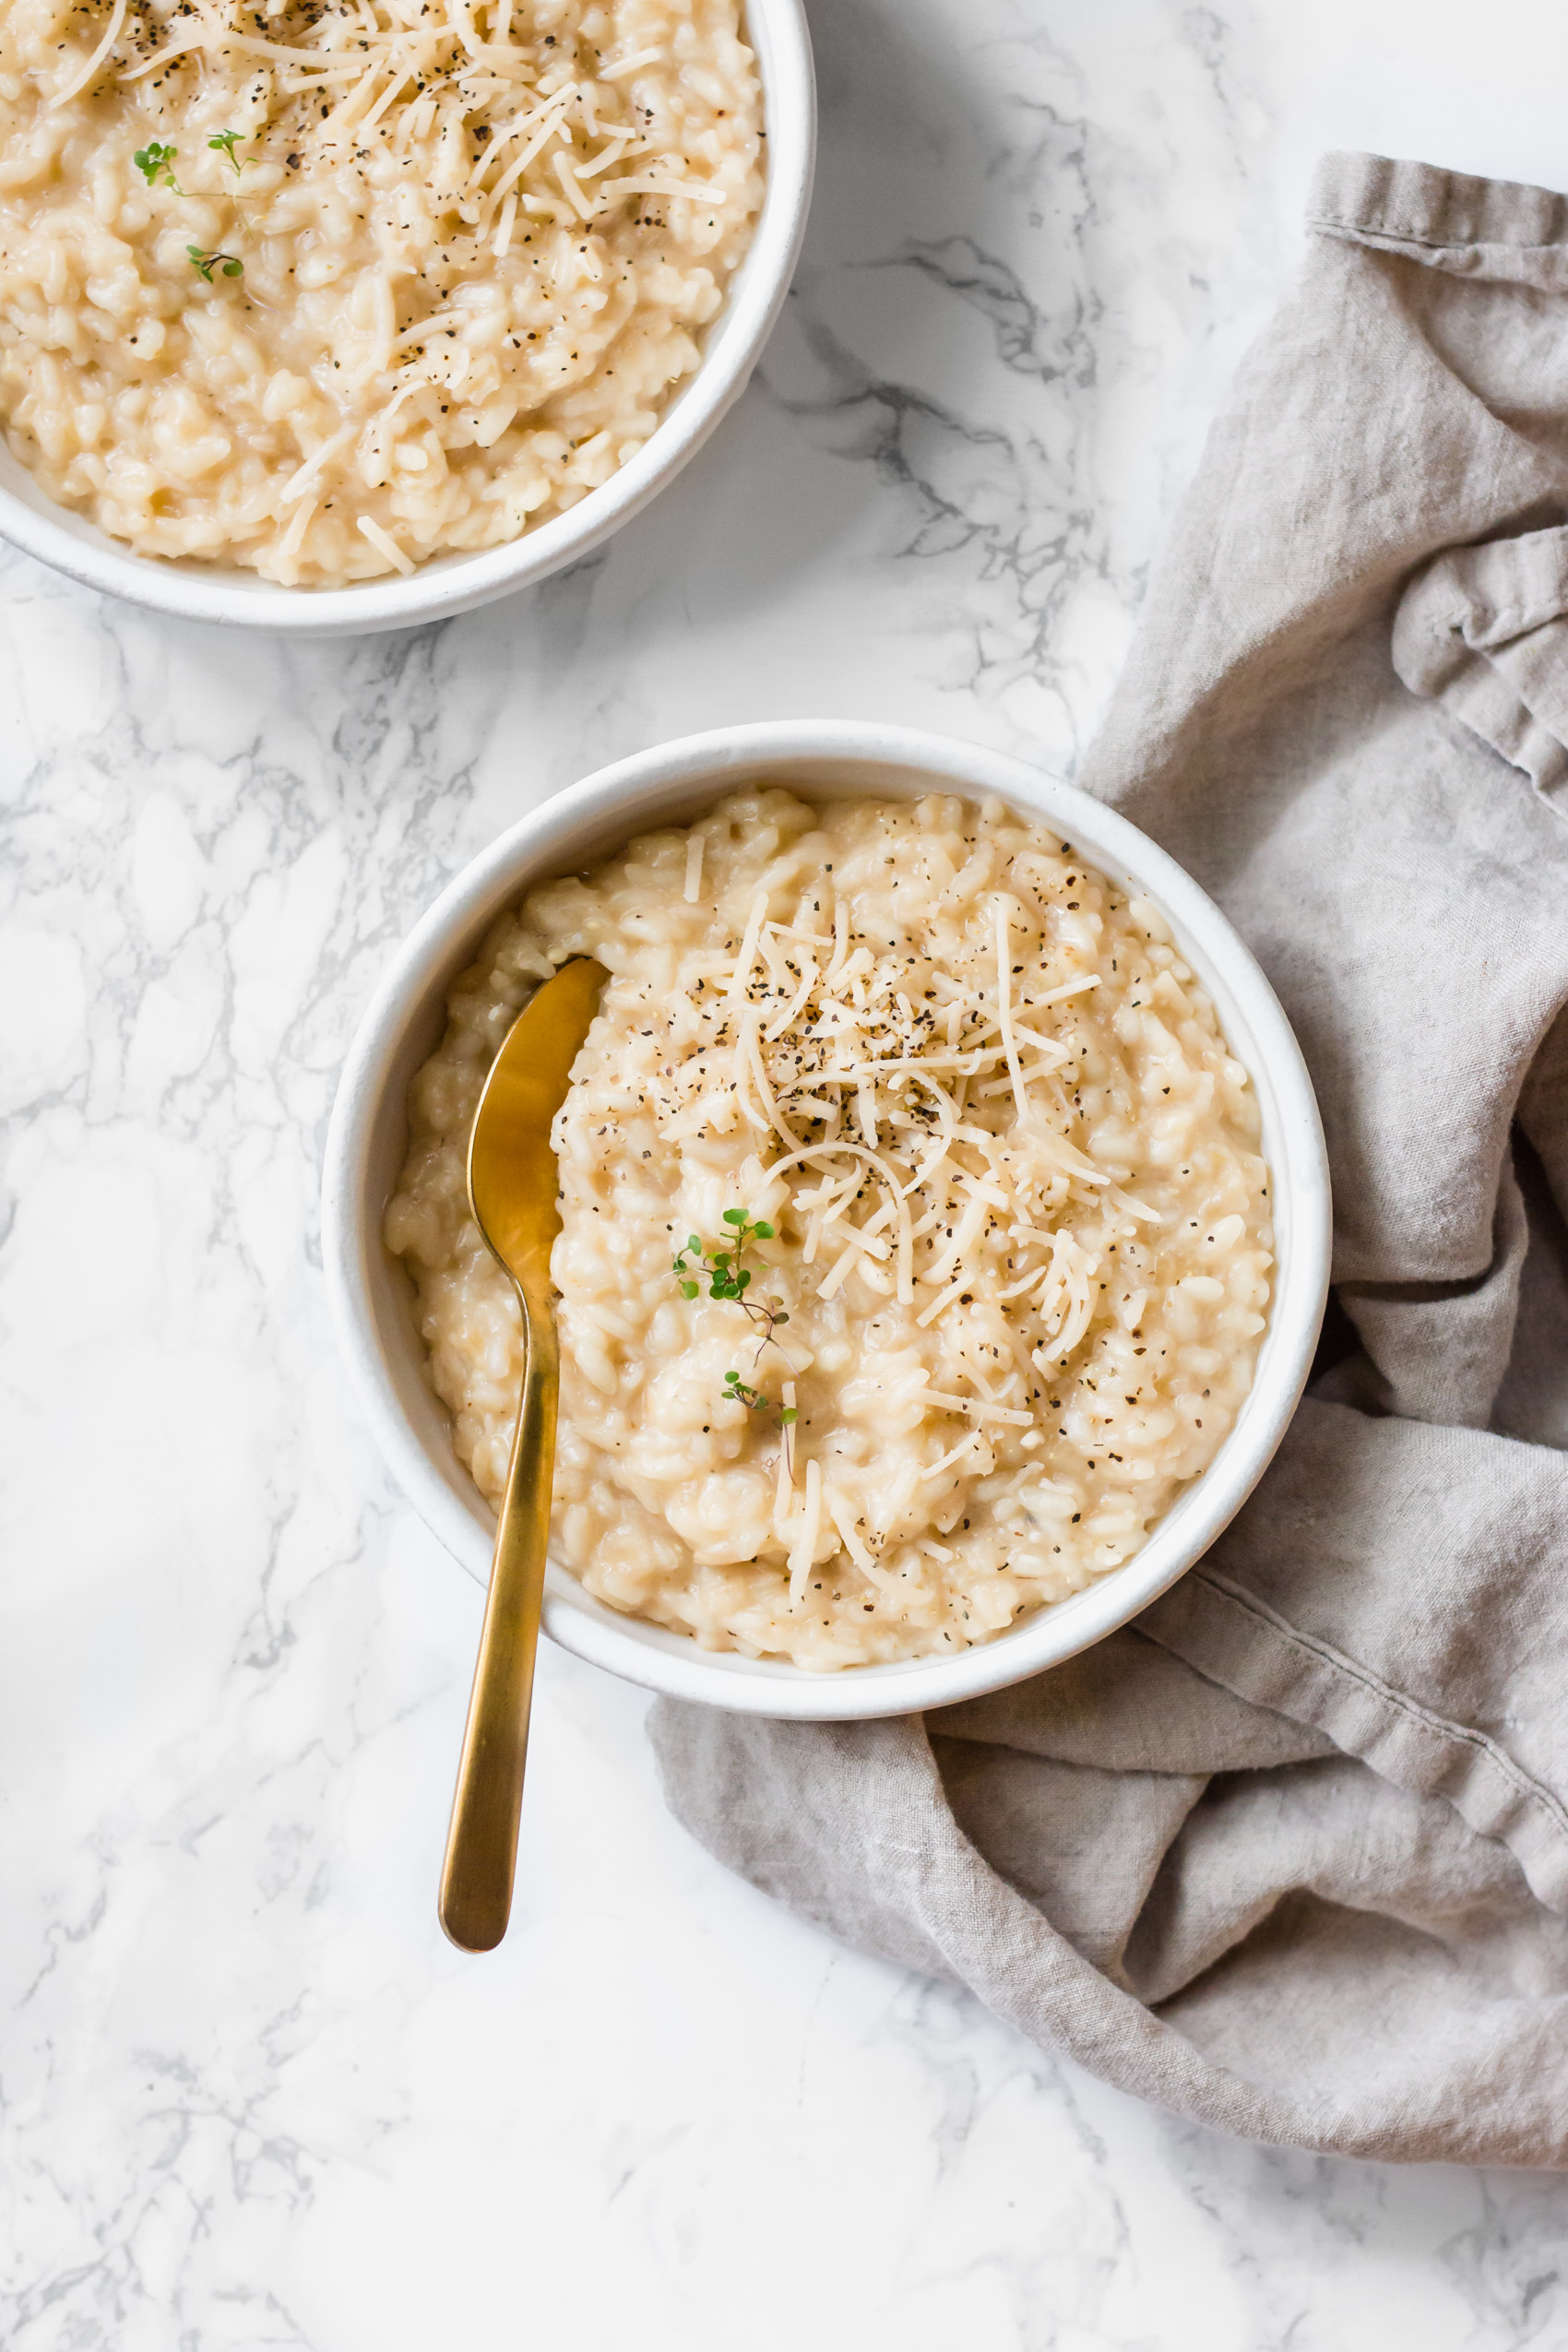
(373, 1297)
(237, 598)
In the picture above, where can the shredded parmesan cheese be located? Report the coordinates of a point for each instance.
(80, 81)
(805, 1547)
(388, 544)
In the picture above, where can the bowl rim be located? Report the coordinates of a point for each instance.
(777, 33)
(611, 805)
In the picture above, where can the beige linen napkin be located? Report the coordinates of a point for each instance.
(1291, 1853)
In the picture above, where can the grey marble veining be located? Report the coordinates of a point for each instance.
(248, 2099)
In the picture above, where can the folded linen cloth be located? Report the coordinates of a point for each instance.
(1291, 1854)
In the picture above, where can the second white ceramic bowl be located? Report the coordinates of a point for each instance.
(234, 598)
(373, 1298)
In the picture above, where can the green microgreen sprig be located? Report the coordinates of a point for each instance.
(156, 163)
(203, 263)
(728, 1277)
(755, 1402)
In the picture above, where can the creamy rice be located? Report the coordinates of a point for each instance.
(1021, 1231)
(478, 241)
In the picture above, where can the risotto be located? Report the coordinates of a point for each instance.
(324, 288)
(915, 1244)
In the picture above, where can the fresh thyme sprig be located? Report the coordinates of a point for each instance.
(727, 1277)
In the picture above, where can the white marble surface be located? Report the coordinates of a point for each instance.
(248, 2099)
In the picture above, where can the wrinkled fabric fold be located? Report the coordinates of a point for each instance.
(1291, 1854)
(1486, 629)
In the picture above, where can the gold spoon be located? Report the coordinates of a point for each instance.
(513, 1186)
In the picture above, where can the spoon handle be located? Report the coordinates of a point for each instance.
(481, 1844)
